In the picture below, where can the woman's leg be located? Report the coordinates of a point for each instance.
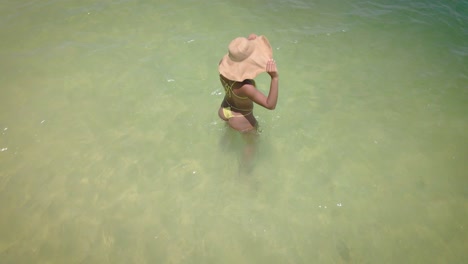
(247, 160)
(247, 125)
(242, 123)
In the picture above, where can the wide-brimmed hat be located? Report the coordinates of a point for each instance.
(245, 58)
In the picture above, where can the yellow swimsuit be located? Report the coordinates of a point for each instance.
(227, 110)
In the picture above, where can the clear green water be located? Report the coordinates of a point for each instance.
(112, 151)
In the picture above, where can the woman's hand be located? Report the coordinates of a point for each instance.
(257, 96)
(252, 36)
(271, 68)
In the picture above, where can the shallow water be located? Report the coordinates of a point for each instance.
(112, 151)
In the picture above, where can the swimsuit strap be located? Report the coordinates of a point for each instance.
(228, 89)
(239, 109)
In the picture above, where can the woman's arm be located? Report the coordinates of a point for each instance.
(257, 96)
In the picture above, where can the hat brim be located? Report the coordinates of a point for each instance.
(251, 66)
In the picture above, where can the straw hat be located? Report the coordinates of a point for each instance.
(246, 58)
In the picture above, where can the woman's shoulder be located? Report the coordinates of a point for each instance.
(249, 82)
(237, 84)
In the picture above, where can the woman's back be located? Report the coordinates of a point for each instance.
(237, 102)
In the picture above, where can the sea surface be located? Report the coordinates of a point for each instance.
(111, 150)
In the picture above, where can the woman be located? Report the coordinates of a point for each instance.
(247, 57)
